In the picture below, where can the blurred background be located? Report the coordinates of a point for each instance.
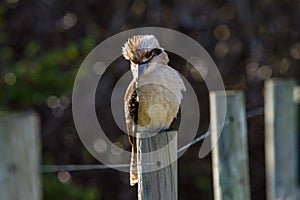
(43, 43)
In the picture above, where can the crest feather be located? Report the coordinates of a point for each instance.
(136, 45)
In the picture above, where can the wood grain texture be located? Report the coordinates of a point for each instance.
(230, 154)
(20, 157)
(156, 181)
(281, 136)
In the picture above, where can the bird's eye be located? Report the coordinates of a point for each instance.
(156, 51)
(148, 54)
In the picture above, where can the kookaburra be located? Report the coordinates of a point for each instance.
(153, 97)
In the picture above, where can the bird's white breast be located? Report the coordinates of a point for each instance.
(165, 76)
(160, 92)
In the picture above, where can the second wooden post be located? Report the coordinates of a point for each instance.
(281, 139)
(230, 154)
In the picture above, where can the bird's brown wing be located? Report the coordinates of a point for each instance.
(131, 105)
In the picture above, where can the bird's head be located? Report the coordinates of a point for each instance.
(143, 50)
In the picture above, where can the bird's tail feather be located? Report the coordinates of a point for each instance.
(133, 166)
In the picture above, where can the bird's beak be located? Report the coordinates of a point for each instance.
(141, 69)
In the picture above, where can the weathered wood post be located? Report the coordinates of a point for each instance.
(230, 154)
(19, 157)
(297, 94)
(281, 146)
(158, 167)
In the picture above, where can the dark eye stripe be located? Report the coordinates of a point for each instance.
(148, 54)
(156, 52)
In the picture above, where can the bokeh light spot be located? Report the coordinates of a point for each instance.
(295, 51)
(52, 102)
(99, 68)
(221, 49)
(64, 176)
(67, 22)
(100, 146)
(64, 102)
(252, 68)
(10, 78)
(222, 32)
(264, 72)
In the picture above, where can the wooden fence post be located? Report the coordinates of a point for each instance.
(230, 154)
(155, 181)
(19, 157)
(281, 144)
(297, 94)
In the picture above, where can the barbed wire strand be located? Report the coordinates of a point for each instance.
(250, 114)
(71, 167)
(255, 112)
(57, 168)
(198, 139)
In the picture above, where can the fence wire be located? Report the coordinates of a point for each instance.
(83, 167)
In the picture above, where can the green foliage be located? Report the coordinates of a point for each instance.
(54, 190)
(31, 72)
(40, 74)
